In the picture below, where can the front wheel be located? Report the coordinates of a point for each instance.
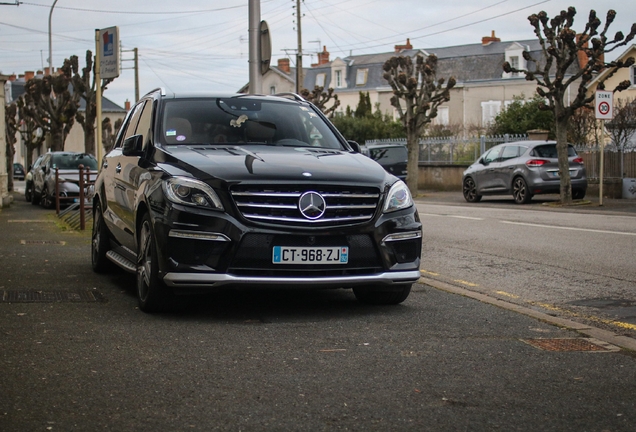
(382, 295)
(152, 294)
(520, 191)
(470, 191)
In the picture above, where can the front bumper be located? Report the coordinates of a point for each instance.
(210, 280)
(206, 249)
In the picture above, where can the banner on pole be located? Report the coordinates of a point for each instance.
(109, 52)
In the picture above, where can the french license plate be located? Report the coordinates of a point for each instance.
(310, 255)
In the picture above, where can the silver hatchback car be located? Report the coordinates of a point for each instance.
(523, 169)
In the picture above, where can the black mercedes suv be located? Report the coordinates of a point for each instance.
(204, 191)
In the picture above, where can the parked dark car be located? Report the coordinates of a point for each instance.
(392, 157)
(208, 191)
(18, 171)
(28, 185)
(67, 165)
(523, 169)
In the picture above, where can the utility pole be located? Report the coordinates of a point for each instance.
(256, 78)
(135, 61)
(299, 54)
(50, 41)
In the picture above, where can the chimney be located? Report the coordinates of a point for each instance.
(323, 57)
(283, 65)
(28, 75)
(487, 40)
(407, 46)
(127, 105)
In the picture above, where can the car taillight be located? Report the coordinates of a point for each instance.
(578, 160)
(536, 162)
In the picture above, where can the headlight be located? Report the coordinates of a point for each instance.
(398, 197)
(187, 191)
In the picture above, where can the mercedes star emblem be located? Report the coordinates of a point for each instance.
(312, 205)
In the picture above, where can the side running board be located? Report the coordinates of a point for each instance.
(121, 261)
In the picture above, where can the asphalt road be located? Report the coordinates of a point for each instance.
(278, 360)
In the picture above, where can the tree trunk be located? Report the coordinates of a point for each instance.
(412, 166)
(564, 164)
(89, 139)
(57, 139)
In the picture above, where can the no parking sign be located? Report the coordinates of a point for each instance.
(604, 105)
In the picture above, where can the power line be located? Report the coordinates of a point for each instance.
(139, 12)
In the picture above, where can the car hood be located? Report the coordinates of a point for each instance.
(271, 163)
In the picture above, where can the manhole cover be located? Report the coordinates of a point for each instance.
(87, 296)
(570, 344)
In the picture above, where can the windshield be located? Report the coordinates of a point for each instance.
(73, 161)
(240, 121)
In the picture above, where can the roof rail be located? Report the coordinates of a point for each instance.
(158, 89)
(292, 96)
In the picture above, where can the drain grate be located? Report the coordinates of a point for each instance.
(42, 242)
(569, 344)
(51, 296)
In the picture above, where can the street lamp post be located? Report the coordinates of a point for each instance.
(51, 43)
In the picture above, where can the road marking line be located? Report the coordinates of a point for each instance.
(569, 228)
(429, 273)
(503, 293)
(463, 282)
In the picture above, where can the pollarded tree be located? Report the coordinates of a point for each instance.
(51, 105)
(417, 94)
(561, 46)
(9, 135)
(30, 131)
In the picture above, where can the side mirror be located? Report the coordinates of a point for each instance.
(133, 146)
(354, 145)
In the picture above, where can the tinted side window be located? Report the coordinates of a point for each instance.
(131, 126)
(145, 120)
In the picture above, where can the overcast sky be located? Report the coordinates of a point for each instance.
(203, 45)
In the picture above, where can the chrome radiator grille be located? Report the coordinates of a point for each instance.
(280, 204)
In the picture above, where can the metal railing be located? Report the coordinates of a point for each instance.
(454, 150)
(77, 209)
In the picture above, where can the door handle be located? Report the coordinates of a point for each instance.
(511, 167)
(118, 168)
(105, 163)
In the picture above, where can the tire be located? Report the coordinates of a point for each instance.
(100, 242)
(520, 191)
(578, 194)
(47, 200)
(28, 192)
(383, 295)
(152, 294)
(470, 191)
